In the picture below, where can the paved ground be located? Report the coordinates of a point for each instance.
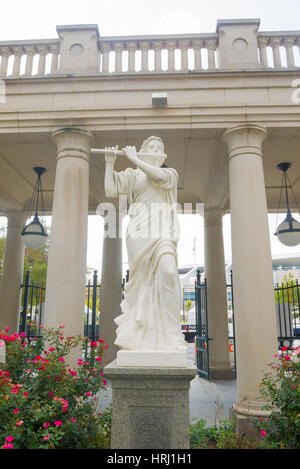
(209, 400)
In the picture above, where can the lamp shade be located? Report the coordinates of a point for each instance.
(34, 235)
(288, 232)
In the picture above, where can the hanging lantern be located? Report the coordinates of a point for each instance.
(288, 232)
(34, 234)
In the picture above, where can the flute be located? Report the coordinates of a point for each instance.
(109, 151)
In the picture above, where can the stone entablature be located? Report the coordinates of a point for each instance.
(81, 50)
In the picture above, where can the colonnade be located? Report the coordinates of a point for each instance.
(254, 307)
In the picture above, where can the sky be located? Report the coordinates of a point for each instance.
(36, 19)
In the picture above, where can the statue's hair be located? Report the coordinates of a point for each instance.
(147, 141)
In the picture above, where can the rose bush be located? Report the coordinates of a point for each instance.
(44, 403)
(280, 388)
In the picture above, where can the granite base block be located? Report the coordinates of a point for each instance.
(150, 406)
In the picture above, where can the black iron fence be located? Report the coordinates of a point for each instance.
(33, 302)
(287, 299)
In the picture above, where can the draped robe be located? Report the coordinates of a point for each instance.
(150, 318)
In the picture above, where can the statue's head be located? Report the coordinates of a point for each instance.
(154, 146)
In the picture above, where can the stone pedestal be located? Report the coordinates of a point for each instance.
(150, 406)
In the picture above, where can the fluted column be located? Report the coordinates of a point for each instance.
(111, 290)
(197, 45)
(5, 53)
(18, 52)
(157, 46)
(288, 43)
(30, 51)
(144, 46)
(12, 273)
(43, 51)
(119, 47)
(184, 46)
(211, 47)
(66, 275)
(254, 304)
(262, 44)
(54, 50)
(105, 49)
(171, 45)
(275, 44)
(131, 47)
(214, 263)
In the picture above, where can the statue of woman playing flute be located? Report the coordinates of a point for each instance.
(150, 319)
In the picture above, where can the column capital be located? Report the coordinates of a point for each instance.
(30, 50)
(5, 51)
(144, 45)
(15, 219)
(73, 142)
(213, 216)
(17, 51)
(244, 139)
(197, 43)
(171, 44)
(131, 45)
(275, 41)
(263, 41)
(105, 47)
(289, 41)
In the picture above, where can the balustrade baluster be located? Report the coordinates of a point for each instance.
(54, 49)
(131, 47)
(30, 51)
(275, 43)
(262, 45)
(17, 52)
(157, 46)
(5, 53)
(105, 50)
(43, 51)
(184, 45)
(144, 46)
(288, 43)
(211, 47)
(119, 47)
(197, 46)
(171, 46)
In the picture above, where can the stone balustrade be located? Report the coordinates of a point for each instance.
(168, 53)
(28, 58)
(236, 45)
(279, 49)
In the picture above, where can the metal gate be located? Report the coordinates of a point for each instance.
(202, 339)
(33, 301)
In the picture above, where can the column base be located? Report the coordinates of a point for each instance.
(150, 406)
(245, 424)
(222, 373)
(248, 408)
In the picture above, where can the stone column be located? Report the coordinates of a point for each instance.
(111, 290)
(214, 262)
(254, 303)
(12, 272)
(66, 275)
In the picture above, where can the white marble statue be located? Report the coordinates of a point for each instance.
(150, 318)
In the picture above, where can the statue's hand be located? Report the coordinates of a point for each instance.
(110, 157)
(131, 154)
